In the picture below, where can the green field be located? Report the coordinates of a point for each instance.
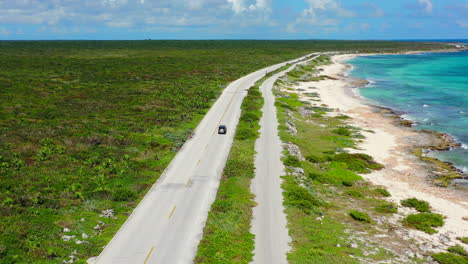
(87, 126)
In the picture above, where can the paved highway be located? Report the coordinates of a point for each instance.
(167, 225)
(269, 221)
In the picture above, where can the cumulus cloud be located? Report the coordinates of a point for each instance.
(240, 6)
(135, 13)
(426, 5)
(322, 13)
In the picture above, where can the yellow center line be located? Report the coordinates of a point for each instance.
(188, 182)
(172, 212)
(149, 255)
(198, 163)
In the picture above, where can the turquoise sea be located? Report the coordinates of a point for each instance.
(429, 88)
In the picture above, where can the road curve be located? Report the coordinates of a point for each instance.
(269, 220)
(167, 224)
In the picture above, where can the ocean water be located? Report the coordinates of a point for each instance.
(430, 88)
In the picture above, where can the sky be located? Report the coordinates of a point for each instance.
(233, 19)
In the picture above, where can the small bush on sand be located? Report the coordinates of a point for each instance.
(360, 216)
(424, 221)
(420, 205)
(449, 258)
(457, 249)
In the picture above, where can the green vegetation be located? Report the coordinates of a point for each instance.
(360, 163)
(449, 258)
(457, 249)
(387, 208)
(463, 239)
(421, 206)
(383, 192)
(424, 221)
(360, 216)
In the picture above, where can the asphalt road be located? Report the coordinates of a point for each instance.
(269, 221)
(167, 225)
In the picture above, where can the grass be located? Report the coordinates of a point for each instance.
(424, 222)
(449, 258)
(419, 205)
(360, 216)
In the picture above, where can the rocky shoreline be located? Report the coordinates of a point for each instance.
(441, 173)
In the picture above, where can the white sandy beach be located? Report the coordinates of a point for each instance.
(404, 175)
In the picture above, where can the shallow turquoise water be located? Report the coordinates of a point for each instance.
(431, 89)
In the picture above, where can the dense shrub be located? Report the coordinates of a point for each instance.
(339, 176)
(315, 158)
(360, 216)
(343, 131)
(300, 197)
(449, 258)
(424, 222)
(123, 194)
(360, 163)
(292, 161)
(244, 133)
(420, 205)
(457, 249)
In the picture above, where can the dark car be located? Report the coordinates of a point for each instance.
(222, 129)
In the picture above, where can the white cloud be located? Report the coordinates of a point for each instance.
(427, 6)
(321, 13)
(120, 24)
(237, 5)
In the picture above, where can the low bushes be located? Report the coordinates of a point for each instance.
(292, 161)
(383, 192)
(360, 163)
(343, 131)
(420, 205)
(449, 258)
(424, 221)
(341, 176)
(360, 216)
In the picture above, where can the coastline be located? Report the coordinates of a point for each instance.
(394, 145)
